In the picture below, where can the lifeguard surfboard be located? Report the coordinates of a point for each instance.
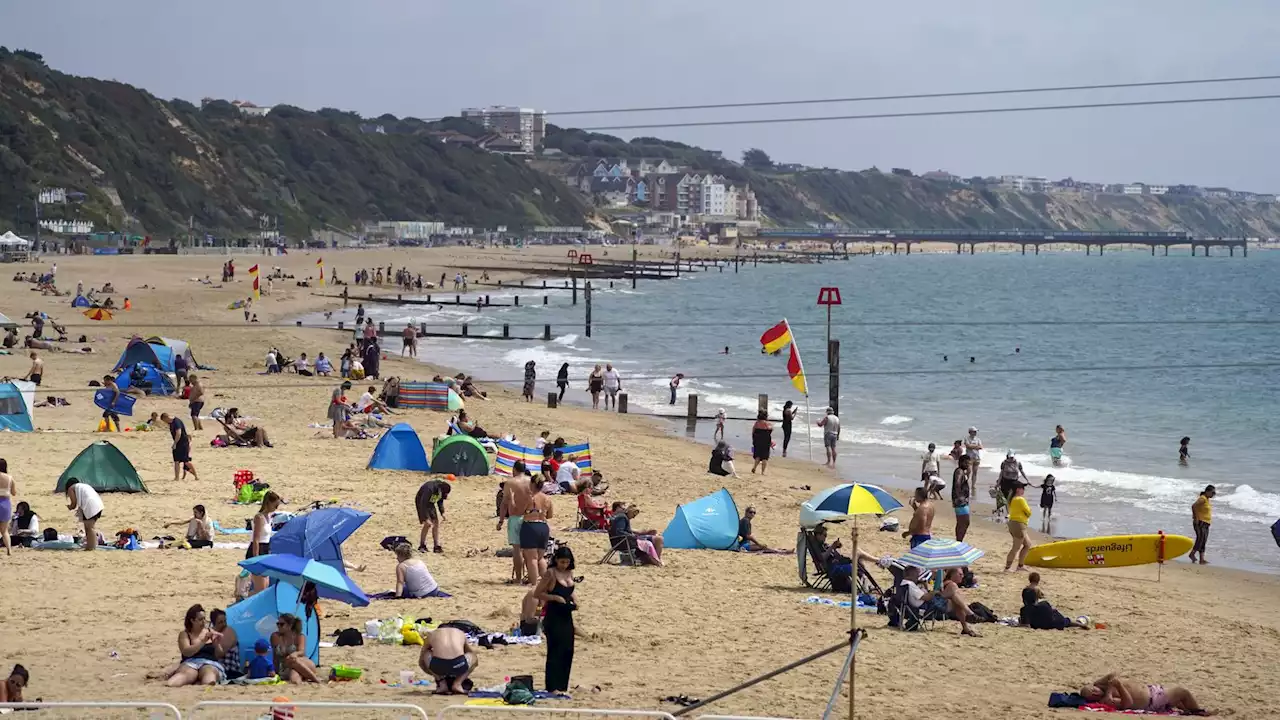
(1108, 551)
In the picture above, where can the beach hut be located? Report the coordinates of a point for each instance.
(459, 455)
(400, 449)
(104, 468)
(17, 401)
(708, 523)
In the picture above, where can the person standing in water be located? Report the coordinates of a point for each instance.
(830, 424)
(789, 410)
(1184, 451)
(1056, 443)
(675, 385)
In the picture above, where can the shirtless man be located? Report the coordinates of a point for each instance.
(921, 528)
(36, 373)
(449, 658)
(1123, 694)
(516, 496)
(195, 401)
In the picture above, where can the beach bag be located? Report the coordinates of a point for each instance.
(981, 613)
(519, 690)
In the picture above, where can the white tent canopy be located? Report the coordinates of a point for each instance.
(10, 241)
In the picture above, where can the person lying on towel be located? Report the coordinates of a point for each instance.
(1124, 694)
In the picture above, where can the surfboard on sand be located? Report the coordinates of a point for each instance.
(1108, 551)
(123, 405)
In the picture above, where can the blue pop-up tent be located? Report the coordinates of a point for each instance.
(161, 382)
(709, 523)
(141, 351)
(400, 449)
(17, 400)
(254, 618)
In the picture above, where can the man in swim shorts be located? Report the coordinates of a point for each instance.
(516, 495)
(448, 658)
(1123, 694)
(960, 496)
(921, 528)
(830, 424)
(195, 402)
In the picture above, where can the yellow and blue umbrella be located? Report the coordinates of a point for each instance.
(940, 553)
(843, 501)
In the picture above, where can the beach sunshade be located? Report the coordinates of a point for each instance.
(847, 500)
(254, 618)
(298, 571)
(459, 455)
(319, 534)
(17, 403)
(98, 314)
(941, 553)
(708, 523)
(104, 468)
(400, 449)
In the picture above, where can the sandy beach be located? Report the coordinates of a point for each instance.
(92, 625)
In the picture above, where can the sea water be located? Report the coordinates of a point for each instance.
(1109, 347)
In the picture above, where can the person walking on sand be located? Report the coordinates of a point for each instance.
(595, 385)
(675, 385)
(530, 378)
(761, 442)
(830, 424)
(1019, 515)
(789, 410)
(1201, 517)
(562, 380)
(8, 491)
(87, 505)
(410, 341)
(181, 448)
(516, 496)
(195, 401)
(612, 386)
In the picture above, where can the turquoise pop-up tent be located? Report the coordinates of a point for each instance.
(400, 449)
(254, 618)
(17, 400)
(709, 523)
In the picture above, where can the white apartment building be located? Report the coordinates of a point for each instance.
(711, 197)
(522, 125)
(1157, 189)
(1135, 189)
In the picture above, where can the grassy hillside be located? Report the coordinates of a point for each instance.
(149, 165)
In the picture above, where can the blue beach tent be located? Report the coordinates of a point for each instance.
(709, 523)
(141, 351)
(400, 449)
(254, 618)
(161, 382)
(80, 302)
(17, 399)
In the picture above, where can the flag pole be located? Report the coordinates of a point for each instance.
(807, 412)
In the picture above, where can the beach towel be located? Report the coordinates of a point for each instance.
(1070, 700)
(391, 595)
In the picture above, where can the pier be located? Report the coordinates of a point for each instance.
(1033, 239)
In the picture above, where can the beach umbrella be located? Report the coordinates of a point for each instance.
(318, 535)
(941, 553)
(847, 500)
(98, 314)
(298, 571)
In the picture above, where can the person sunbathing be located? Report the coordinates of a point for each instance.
(1124, 694)
(240, 432)
(470, 427)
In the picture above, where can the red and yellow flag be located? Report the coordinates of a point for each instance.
(320, 265)
(253, 273)
(795, 369)
(776, 338)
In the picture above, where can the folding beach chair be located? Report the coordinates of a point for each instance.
(809, 550)
(625, 548)
(591, 518)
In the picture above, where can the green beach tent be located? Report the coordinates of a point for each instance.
(104, 468)
(459, 455)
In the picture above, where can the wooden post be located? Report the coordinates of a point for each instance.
(622, 402)
(586, 295)
(339, 324)
(552, 399)
(691, 421)
(486, 299)
(299, 323)
(635, 258)
(574, 280)
(833, 370)
(428, 297)
(506, 330)
(736, 260)
(762, 403)
(546, 332)
(853, 614)
(544, 299)
(382, 327)
(517, 301)
(457, 299)
(464, 329)
(544, 284)
(424, 329)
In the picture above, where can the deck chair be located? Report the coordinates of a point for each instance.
(591, 518)
(809, 551)
(489, 445)
(624, 547)
(909, 619)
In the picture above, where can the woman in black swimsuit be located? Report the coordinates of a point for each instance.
(788, 414)
(562, 380)
(201, 652)
(555, 591)
(761, 442)
(595, 384)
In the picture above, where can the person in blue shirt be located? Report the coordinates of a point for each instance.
(261, 666)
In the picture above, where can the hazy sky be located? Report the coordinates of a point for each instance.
(428, 58)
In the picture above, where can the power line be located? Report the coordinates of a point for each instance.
(915, 96)
(771, 375)
(938, 113)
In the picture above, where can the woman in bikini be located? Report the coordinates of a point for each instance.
(1124, 694)
(290, 648)
(7, 490)
(535, 532)
(595, 383)
(201, 652)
